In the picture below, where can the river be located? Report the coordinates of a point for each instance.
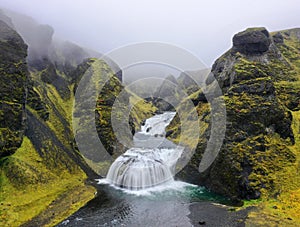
(140, 190)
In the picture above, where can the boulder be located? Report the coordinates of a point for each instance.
(278, 38)
(252, 41)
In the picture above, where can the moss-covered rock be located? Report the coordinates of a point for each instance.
(13, 79)
(45, 168)
(97, 73)
(187, 83)
(260, 88)
(252, 41)
(48, 158)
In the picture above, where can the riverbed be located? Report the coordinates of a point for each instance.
(140, 189)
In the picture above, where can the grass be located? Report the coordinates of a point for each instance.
(20, 203)
(283, 210)
(140, 109)
(33, 189)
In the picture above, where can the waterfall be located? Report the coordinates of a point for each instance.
(157, 124)
(151, 161)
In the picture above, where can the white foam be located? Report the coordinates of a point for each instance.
(156, 125)
(143, 167)
(172, 185)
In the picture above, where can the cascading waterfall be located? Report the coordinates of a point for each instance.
(151, 161)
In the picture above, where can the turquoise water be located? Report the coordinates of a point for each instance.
(160, 204)
(167, 205)
(172, 190)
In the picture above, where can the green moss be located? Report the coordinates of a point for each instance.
(140, 110)
(284, 206)
(246, 70)
(28, 186)
(99, 167)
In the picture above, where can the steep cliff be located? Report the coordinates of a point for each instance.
(38, 162)
(14, 73)
(166, 96)
(259, 81)
(41, 167)
(97, 76)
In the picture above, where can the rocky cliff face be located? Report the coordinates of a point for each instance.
(186, 83)
(36, 145)
(14, 73)
(166, 96)
(40, 164)
(37, 36)
(39, 160)
(111, 89)
(253, 76)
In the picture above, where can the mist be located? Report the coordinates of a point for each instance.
(204, 28)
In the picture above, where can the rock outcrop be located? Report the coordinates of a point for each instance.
(252, 76)
(36, 140)
(187, 83)
(166, 96)
(38, 37)
(14, 73)
(38, 153)
(252, 41)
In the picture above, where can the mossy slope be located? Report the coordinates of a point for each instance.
(42, 177)
(260, 92)
(99, 77)
(47, 164)
(283, 208)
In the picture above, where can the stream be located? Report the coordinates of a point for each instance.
(140, 190)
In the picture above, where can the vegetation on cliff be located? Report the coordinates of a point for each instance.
(13, 89)
(42, 174)
(283, 208)
(37, 169)
(259, 78)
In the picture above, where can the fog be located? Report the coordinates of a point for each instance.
(205, 28)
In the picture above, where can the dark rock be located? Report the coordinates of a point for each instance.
(261, 87)
(167, 88)
(187, 83)
(50, 76)
(163, 105)
(169, 132)
(202, 222)
(258, 122)
(252, 41)
(13, 79)
(166, 94)
(200, 98)
(278, 38)
(35, 102)
(131, 125)
(237, 202)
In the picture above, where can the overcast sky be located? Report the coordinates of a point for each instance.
(203, 27)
